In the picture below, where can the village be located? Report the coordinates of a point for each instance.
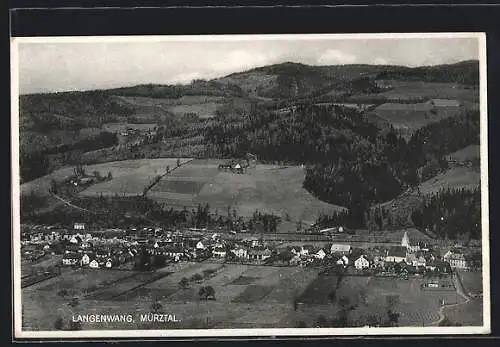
(153, 248)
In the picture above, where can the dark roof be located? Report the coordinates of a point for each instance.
(397, 251)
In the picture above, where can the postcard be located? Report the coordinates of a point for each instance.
(250, 185)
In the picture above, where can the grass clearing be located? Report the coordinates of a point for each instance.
(266, 188)
(454, 178)
(124, 173)
(472, 281)
(253, 293)
(244, 280)
(411, 117)
(465, 154)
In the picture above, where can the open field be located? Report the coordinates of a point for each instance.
(232, 306)
(418, 89)
(80, 281)
(124, 173)
(411, 117)
(468, 153)
(454, 178)
(246, 295)
(469, 314)
(117, 127)
(472, 281)
(203, 106)
(372, 297)
(266, 188)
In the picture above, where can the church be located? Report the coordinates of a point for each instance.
(411, 248)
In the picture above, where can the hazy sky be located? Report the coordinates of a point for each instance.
(61, 66)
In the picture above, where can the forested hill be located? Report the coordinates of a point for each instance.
(292, 80)
(350, 162)
(465, 72)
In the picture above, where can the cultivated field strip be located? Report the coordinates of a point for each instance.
(119, 288)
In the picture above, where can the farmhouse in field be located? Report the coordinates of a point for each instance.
(238, 166)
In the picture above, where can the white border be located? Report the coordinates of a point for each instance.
(195, 333)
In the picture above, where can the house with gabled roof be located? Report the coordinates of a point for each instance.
(340, 249)
(320, 254)
(362, 262)
(396, 254)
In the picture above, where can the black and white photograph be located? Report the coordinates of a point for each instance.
(250, 185)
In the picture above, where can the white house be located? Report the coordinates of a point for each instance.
(219, 252)
(70, 259)
(456, 260)
(340, 248)
(75, 239)
(79, 226)
(320, 254)
(85, 259)
(200, 245)
(361, 263)
(94, 264)
(344, 261)
(109, 264)
(240, 252)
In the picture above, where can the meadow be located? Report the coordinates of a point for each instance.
(453, 178)
(266, 188)
(466, 154)
(203, 106)
(130, 292)
(403, 90)
(411, 117)
(472, 281)
(129, 176)
(245, 296)
(371, 297)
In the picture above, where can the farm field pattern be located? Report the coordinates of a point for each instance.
(266, 188)
(128, 176)
(239, 303)
(243, 294)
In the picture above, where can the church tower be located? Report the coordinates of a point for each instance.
(405, 242)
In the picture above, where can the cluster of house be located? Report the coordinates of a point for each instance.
(408, 257)
(81, 248)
